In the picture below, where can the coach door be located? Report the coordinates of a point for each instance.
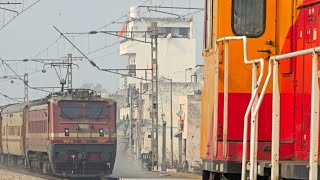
(255, 19)
(308, 28)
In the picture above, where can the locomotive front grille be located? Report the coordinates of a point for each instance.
(82, 169)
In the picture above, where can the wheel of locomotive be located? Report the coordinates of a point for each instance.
(12, 161)
(205, 175)
(3, 159)
(45, 168)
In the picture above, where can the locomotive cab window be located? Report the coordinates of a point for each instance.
(70, 110)
(96, 110)
(83, 110)
(249, 17)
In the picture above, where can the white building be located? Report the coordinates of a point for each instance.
(176, 47)
(176, 60)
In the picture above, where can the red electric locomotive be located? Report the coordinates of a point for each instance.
(70, 134)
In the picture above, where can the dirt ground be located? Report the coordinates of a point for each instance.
(8, 175)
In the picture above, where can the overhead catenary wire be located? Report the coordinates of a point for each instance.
(116, 20)
(92, 62)
(112, 52)
(19, 13)
(110, 23)
(12, 99)
(84, 55)
(116, 51)
(44, 50)
(113, 44)
(22, 79)
(100, 49)
(113, 22)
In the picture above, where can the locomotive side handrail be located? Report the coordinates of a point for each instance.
(314, 137)
(252, 104)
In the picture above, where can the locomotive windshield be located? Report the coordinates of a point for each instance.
(73, 110)
(249, 17)
(96, 110)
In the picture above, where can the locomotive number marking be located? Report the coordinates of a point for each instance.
(67, 141)
(102, 141)
(221, 167)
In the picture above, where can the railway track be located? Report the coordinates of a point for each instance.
(24, 171)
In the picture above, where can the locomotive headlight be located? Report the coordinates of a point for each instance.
(101, 133)
(66, 132)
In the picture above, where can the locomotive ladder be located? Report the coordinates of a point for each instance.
(314, 136)
(252, 105)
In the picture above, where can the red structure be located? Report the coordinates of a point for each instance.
(260, 101)
(70, 134)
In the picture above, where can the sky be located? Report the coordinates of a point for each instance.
(29, 35)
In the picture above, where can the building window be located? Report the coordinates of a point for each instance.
(184, 32)
(249, 17)
(174, 32)
(208, 25)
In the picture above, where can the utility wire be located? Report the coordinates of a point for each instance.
(4, 95)
(19, 13)
(115, 21)
(53, 43)
(84, 55)
(92, 62)
(113, 44)
(183, 16)
(116, 51)
(107, 46)
(22, 79)
(112, 52)
(112, 22)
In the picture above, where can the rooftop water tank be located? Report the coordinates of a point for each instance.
(134, 12)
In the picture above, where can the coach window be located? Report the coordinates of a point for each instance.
(249, 17)
(208, 25)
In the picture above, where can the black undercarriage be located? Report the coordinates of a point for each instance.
(228, 170)
(77, 166)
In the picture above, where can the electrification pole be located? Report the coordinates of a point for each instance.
(139, 122)
(171, 128)
(154, 80)
(25, 82)
(26, 87)
(154, 94)
(69, 71)
(171, 121)
(164, 146)
(130, 122)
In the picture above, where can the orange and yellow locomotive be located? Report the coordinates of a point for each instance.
(260, 101)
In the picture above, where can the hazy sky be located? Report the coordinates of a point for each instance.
(32, 32)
